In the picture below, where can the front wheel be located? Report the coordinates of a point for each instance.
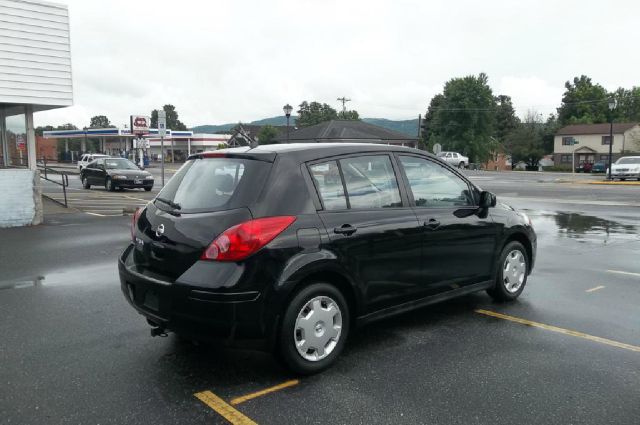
(314, 328)
(85, 183)
(513, 267)
(461, 165)
(108, 184)
(147, 189)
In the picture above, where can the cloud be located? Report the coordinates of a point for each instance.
(531, 93)
(233, 60)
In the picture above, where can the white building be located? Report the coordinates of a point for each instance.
(593, 143)
(35, 75)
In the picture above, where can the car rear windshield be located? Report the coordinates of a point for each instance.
(119, 164)
(214, 184)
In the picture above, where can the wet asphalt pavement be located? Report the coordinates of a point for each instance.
(72, 351)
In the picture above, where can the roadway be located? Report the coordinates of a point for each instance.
(568, 351)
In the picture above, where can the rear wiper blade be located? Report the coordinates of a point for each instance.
(170, 203)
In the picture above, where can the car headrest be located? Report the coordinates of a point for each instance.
(223, 182)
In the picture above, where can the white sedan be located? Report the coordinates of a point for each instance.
(454, 158)
(627, 167)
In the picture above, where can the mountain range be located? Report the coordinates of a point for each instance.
(408, 127)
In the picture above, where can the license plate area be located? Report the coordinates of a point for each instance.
(137, 181)
(151, 300)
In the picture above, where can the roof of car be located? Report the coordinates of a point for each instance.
(309, 151)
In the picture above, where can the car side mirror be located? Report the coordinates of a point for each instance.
(487, 200)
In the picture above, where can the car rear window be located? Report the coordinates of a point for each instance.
(213, 184)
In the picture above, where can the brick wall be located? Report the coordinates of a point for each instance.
(21, 203)
(498, 164)
(47, 148)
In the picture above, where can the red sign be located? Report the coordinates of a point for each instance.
(20, 145)
(140, 124)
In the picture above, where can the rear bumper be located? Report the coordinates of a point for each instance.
(195, 311)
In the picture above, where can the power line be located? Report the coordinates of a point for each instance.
(581, 102)
(344, 101)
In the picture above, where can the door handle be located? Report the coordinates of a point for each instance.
(432, 224)
(345, 229)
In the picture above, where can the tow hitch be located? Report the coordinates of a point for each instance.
(158, 331)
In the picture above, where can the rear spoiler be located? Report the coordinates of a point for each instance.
(256, 156)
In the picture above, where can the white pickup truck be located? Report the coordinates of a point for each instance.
(454, 158)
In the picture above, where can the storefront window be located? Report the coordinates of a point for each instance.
(13, 134)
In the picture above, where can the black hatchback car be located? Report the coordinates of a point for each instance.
(115, 173)
(289, 247)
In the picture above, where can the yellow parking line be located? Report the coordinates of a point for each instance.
(260, 393)
(223, 409)
(597, 288)
(627, 273)
(617, 183)
(560, 330)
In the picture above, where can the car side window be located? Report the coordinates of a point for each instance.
(370, 182)
(433, 185)
(91, 165)
(326, 177)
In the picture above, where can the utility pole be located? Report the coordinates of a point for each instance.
(344, 101)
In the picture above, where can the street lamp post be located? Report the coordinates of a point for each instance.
(287, 112)
(612, 106)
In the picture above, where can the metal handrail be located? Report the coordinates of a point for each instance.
(64, 180)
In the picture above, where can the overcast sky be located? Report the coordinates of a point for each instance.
(227, 61)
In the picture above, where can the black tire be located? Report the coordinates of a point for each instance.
(499, 291)
(461, 165)
(108, 185)
(147, 189)
(287, 347)
(622, 180)
(85, 183)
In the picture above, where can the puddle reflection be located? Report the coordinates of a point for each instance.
(581, 227)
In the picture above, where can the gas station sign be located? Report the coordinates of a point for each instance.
(140, 124)
(20, 142)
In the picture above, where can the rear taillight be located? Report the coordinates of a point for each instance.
(242, 240)
(134, 223)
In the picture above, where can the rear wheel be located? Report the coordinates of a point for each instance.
(513, 267)
(147, 189)
(314, 328)
(108, 184)
(85, 183)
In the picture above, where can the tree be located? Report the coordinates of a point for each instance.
(266, 134)
(506, 119)
(100, 121)
(349, 115)
(525, 142)
(583, 102)
(41, 129)
(628, 104)
(173, 123)
(464, 118)
(549, 130)
(429, 128)
(314, 113)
